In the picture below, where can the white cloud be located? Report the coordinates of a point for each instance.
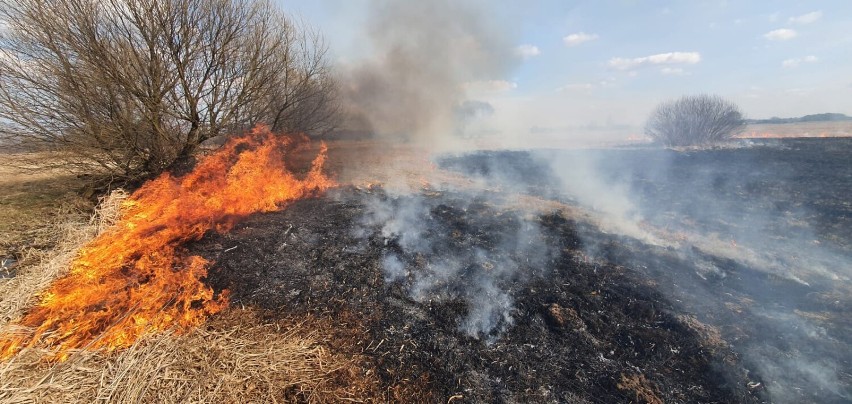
(795, 62)
(673, 71)
(527, 51)
(782, 34)
(578, 38)
(490, 86)
(806, 18)
(576, 87)
(798, 90)
(670, 58)
(608, 82)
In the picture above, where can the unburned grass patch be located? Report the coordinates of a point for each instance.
(31, 202)
(643, 390)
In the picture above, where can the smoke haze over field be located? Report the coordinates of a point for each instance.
(424, 56)
(431, 261)
(440, 73)
(762, 217)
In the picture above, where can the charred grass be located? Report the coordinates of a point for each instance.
(577, 326)
(314, 319)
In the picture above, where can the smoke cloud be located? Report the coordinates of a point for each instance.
(435, 252)
(424, 54)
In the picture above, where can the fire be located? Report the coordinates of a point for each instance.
(136, 278)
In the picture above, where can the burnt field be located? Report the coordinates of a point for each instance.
(695, 276)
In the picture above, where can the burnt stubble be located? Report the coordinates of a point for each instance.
(581, 314)
(579, 329)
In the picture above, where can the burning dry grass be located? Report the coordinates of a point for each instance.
(235, 358)
(135, 277)
(43, 267)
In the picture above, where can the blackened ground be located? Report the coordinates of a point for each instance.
(787, 198)
(582, 331)
(724, 190)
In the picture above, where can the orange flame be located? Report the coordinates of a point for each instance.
(135, 277)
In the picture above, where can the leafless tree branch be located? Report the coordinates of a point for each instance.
(130, 87)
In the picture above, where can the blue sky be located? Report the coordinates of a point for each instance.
(584, 62)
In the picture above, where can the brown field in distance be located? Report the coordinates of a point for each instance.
(802, 129)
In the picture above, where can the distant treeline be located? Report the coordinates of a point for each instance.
(807, 118)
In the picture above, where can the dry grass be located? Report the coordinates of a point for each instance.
(235, 358)
(709, 335)
(41, 267)
(801, 129)
(30, 203)
(643, 389)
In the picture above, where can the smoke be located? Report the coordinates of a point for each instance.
(740, 210)
(757, 224)
(714, 213)
(414, 85)
(810, 361)
(440, 250)
(579, 178)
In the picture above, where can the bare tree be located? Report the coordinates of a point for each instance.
(130, 87)
(694, 121)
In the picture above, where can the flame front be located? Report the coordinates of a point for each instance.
(136, 278)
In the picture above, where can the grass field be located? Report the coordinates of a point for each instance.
(44, 221)
(30, 201)
(266, 355)
(803, 129)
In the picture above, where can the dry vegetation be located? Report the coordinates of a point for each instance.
(802, 129)
(643, 389)
(695, 120)
(128, 89)
(30, 202)
(235, 357)
(711, 336)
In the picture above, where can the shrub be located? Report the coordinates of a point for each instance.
(695, 120)
(129, 88)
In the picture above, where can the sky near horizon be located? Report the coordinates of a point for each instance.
(581, 63)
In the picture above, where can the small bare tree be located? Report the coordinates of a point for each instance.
(131, 87)
(695, 121)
